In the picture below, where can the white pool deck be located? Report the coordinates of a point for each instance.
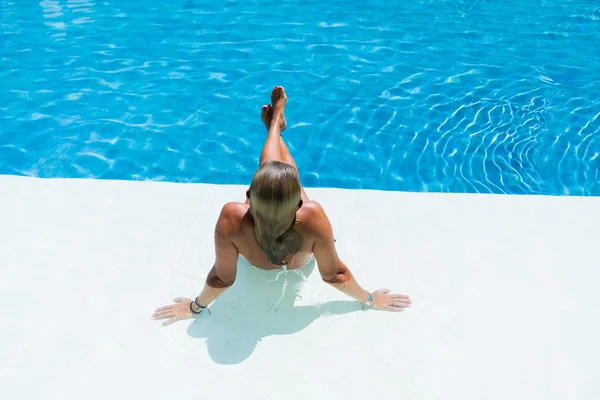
(506, 294)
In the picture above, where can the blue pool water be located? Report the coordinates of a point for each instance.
(462, 96)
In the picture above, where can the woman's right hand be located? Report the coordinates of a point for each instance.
(383, 300)
(174, 312)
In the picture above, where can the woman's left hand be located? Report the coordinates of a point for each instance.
(174, 312)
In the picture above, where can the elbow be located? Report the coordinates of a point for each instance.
(341, 276)
(219, 283)
(215, 281)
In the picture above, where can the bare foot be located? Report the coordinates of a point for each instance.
(266, 115)
(278, 100)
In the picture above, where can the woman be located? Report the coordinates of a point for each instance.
(277, 227)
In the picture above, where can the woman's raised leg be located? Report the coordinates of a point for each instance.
(271, 116)
(271, 149)
(285, 154)
(287, 157)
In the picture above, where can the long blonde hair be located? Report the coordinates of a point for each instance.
(275, 195)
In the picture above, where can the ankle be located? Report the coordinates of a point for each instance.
(277, 118)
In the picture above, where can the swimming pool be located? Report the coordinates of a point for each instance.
(459, 96)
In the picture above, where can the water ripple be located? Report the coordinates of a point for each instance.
(478, 96)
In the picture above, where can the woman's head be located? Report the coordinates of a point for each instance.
(275, 196)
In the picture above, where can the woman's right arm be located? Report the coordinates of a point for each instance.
(337, 274)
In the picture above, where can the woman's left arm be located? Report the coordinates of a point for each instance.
(221, 276)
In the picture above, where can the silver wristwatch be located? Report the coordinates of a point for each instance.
(369, 302)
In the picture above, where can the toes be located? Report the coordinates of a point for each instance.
(281, 92)
(276, 94)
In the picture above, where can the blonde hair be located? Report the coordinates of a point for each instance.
(275, 194)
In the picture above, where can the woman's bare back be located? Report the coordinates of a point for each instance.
(247, 246)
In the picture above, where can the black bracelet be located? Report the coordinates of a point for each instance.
(192, 310)
(202, 308)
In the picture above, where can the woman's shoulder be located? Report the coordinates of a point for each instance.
(311, 209)
(312, 216)
(231, 217)
(234, 209)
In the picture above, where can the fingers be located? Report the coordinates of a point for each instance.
(400, 302)
(169, 311)
(163, 314)
(395, 304)
(399, 299)
(165, 308)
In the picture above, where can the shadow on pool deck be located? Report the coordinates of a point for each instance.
(242, 315)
